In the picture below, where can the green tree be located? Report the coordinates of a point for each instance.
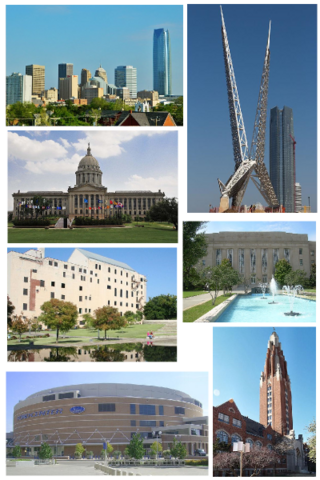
(59, 315)
(282, 268)
(79, 450)
(312, 441)
(45, 451)
(175, 108)
(108, 318)
(178, 450)
(20, 325)
(156, 448)
(220, 447)
(21, 114)
(165, 211)
(313, 276)
(194, 249)
(10, 310)
(222, 277)
(16, 452)
(135, 447)
(162, 307)
(296, 277)
(109, 448)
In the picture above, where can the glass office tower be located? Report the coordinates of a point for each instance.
(162, 62)
(282, 166)
(64, 70)
(126, 76)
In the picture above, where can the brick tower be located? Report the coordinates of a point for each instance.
(275, 390)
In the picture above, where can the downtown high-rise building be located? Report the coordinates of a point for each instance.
(275, 390)
(126, 76)
(68, 87)
(298, 198)
(100, 72)
(162, 81)
(18, 88)
(64, 70)
(282, 161)
(85, 76)
(37, 72)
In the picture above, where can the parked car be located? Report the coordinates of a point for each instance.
(200, 452)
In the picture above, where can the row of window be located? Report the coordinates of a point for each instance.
(223, 436)
(226, 419)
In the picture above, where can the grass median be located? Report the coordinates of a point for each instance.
(193, 294)
(196, 312)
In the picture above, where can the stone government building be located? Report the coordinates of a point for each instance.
(255, 254)
(89, 198)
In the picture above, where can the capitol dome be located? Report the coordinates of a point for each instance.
(88, 160)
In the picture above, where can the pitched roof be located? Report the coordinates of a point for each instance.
(253, 427)
(100, 258)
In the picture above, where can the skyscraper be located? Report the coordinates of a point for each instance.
(282, 162)
(68, 87)
(85, 76)
(126, 76)
(275, 390)
(18, 88)
(64, 70)
(37, 72)
(100, 72)
(162, 62)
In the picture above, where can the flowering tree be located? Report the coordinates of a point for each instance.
(256, 460)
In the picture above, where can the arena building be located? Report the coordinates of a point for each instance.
(94, 414)
(87, 279)
(255, 254)
(88, 197)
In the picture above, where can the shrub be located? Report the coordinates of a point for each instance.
(97, 221)
(197, 462)
(31, 222)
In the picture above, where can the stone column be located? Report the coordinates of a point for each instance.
(258, 263)
(270, 262)
(247, 264)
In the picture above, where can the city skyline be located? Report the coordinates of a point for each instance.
(51, 158)
(239, 378)
(130, 33)
(292, 65)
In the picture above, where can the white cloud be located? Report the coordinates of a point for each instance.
(65, 142)
(167, 184)
(110, 144)
(30, 150)
(63, 167)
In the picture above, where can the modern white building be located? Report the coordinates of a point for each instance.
(19, 88)
(126, 76)
(87, 279)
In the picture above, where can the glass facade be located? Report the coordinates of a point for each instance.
(162, 82)
(126, 76)
(282, 168)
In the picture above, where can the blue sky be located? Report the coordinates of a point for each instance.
(22, 384)
(88, 36)
(129, 159)
(238, 359)
(289, 227)
(158, 264)
(292, 82)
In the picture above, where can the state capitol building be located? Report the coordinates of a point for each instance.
(89, 198)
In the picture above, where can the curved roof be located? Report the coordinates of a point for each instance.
(101, 390)
(89, 160)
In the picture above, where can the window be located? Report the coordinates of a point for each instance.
(148, 423)
(64, 274)
(223, 418)
(235, 438)
(269, 447)
(65, 267)
(55, 264)
(96, 266)
(133, 423)
(301, 262)
(52, 295)
(236, 423)
(90, 280)
(73, 276)
(47, 398)
(127, 275)
(83, 279)
(249, 441)
(161, 410)
(99, 267)
(300, 251)
(73, 269)
(115, 271)
(66, 395)
(98, 280)
(115, 304)
(109, 270)
(132, 408)
(42, 283)
(120, 293)
(115, 292)
(53, 284)
(161, 423)
(264, 279)
(108, 287)
(24, 306)
(269, 436)
(147, 409)
(50, 262)
(84, 270)
(80, 310)
(80, 299)
(107, 407)
(253, 280)
(63, 285)
(80, 270)
(63, 297)
(223, 437)
(25, 291)
(312, 253)
(25, 279)
(179, 410)
(80, 288)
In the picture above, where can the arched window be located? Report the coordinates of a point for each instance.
(235, 438)
(250, 441)
(222, 436)
(269, 447)
(259, 444)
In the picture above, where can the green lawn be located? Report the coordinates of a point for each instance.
(84, 335)
(310, 290)
(193, 294)
(151, 233)
(196, 312)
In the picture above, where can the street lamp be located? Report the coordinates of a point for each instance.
(242, 448)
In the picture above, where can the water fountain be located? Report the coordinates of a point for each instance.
(273, 290)
(263, 287)
(291, 292)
